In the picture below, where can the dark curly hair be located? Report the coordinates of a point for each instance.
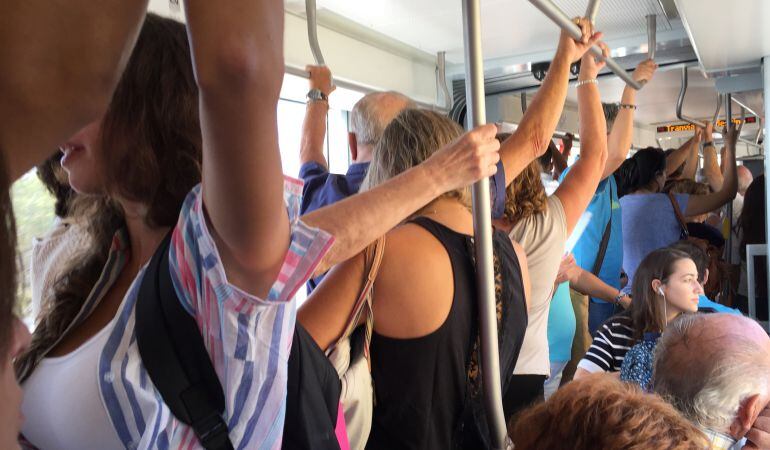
(601, 412)
(151, 140)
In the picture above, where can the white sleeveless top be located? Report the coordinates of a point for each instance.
(63, 406)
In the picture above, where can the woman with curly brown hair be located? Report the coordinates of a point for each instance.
(600, 412)
(542, 224)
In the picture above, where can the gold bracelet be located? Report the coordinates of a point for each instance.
(589, 81)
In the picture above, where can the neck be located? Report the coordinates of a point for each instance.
(144, 239)
(364, 154)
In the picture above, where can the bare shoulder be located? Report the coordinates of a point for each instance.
(414, 288)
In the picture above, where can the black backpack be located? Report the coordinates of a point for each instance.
(179, 366)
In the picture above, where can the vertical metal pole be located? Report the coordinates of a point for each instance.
(766, 85)
(482, 230)
(312, 32)
(652, 41)
(592, 10)
(728, 121)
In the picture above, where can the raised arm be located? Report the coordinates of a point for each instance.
(675, 159)
(311, 148)
(622, 134)
(360, 219)
(578, 187)
(238, 53)
(711, 169)
(691, 164)
(701, 204)
(61, 62)
(531, 138)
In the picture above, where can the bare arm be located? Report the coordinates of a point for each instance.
(578, 187)
(314, 126)
(61, 62)
(691, 164)
(238, 54)
(622, 133)
(711, 169)
(530, 140)
(701, 204)
(589, 284)
(675, 159)
(360, 219)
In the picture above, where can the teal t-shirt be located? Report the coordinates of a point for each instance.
(561, 325)
(705, 302)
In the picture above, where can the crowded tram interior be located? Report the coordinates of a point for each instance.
(391, 224)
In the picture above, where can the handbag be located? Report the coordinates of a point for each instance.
(350, 355)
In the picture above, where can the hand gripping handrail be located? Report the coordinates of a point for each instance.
(559, 18)
(312, 32)
(482, 231)
(680, 102)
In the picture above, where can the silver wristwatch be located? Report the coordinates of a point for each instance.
(315, 95)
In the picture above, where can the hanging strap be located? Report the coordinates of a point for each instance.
(685, 233)
(176, 359)
(373, 258)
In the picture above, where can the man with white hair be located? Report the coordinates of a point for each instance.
(715, 369)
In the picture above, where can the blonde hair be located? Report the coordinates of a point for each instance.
(410, 139)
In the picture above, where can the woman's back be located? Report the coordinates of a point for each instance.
(649, 223)
(425, 330)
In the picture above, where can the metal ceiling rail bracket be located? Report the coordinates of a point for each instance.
(680, 102)
(719, 108)
(744, 107)
(558, 16)
(652, 42)
(312, 32)
(482, 231)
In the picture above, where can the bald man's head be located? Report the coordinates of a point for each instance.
(715, 368)
(369, 118)
(744, 179)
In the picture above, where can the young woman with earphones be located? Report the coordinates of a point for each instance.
(665, 286)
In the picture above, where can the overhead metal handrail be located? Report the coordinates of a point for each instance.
(562, 20)
(719, 108)
(312, 32)
(482, 231)
(441, 79)
(744, 106)
(680, 102)
(592, 10)
(652, 42)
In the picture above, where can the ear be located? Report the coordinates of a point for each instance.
(656, 284)
(706, 277)
(353, 144)
(748, 412)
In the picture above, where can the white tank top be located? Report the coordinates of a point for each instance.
(63, 406)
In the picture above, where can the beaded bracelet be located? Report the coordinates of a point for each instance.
(626, 106)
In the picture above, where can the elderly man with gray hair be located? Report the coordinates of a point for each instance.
(715, 369)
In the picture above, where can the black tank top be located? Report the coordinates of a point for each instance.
(421, 384)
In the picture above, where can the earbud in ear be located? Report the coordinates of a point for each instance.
(660, 291)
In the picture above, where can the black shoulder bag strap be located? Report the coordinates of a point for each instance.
(175, 357)
(605, 240)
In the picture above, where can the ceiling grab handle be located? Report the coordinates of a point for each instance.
(441, 83)
(559, 18)
(680, 102)
(719, 108)
(482, 231)
(312, 32)
(592, 10)
(652, 42)
(523, 103)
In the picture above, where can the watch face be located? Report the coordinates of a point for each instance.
(315, 94)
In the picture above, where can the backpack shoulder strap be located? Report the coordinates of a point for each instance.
(599, 261)
(176, 359)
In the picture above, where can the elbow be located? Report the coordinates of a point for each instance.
(538, 141)
(236, 67)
